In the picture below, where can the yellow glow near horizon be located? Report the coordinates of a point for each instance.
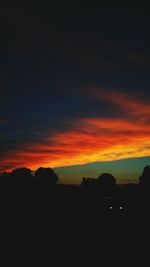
(90, 139)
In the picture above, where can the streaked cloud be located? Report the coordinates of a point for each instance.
(91, 139)
(128, 103)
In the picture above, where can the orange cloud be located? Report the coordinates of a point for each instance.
(91, 139)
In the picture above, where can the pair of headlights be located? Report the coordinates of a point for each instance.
(112, 207)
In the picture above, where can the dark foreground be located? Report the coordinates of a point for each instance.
(71, 206)
(68, 224)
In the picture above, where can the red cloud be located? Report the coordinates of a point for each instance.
(91, 139)
(130, 104)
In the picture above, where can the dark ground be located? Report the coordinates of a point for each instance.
(73, 224)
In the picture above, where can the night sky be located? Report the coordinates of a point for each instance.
(75, 88)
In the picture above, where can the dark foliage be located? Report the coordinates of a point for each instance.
(40, 189)
(46, 176)
(106, 183)
(145, 177)
(88, 182)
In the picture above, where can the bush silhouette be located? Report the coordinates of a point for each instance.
(88, 182)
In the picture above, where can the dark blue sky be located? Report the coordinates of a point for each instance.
(53, 57)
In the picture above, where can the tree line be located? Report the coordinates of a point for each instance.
(47, 176)
(26, 176)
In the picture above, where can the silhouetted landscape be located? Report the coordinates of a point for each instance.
(36, 193)
(75, 100)
(36, 209)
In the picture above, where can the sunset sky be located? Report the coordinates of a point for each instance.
(75, 89)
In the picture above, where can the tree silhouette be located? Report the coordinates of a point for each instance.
(106, 183)
(145, 177)
(21, 176)
(106, 179)
(46, 176)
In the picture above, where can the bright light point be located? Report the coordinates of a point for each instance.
(110, 208)
(121, 208)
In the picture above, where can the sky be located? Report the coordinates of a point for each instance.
(75, 88)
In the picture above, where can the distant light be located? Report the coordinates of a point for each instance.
(110, 208)
(121, 208)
